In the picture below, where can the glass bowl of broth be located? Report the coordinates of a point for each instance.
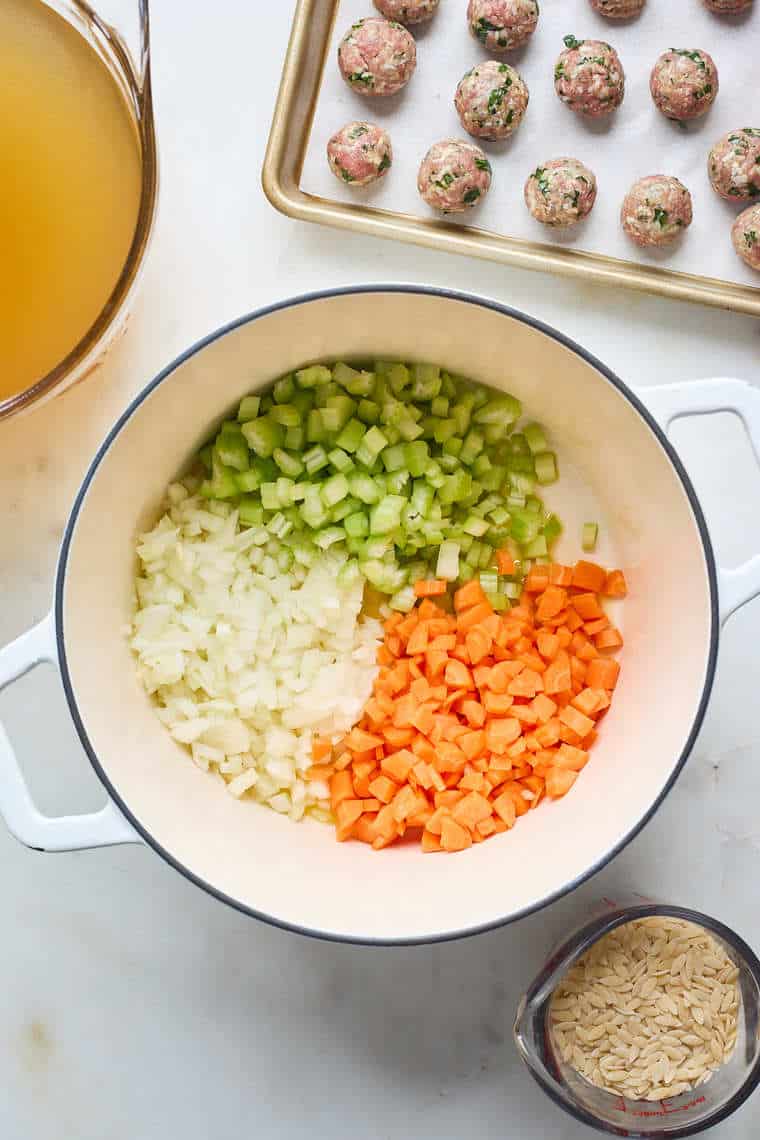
(79, 178)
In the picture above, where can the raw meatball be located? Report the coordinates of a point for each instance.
(734, 164)
(589, 77)
(491, 100)
(454, 175)
(360, 153)
(684, 83)
(561, 192)
(407, 11)
(746, 236)
(377, 57)
(618, 9)
(656, 210)
(502, 25)
(728, 6)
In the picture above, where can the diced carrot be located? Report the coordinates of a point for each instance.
(609, 639)
(458, 676)
(454, 837)
(501, 733)
(557, 678)
(341, 788)
(346, 814)
(615, 585)
(383, 788)
(544, 707)
(501, 675)
(430, 843)
(572, 621)
(548, 644)
(591, 628)
(564, 636)
(587, 605)
(587, 701)
(364, 828)
(603, 673)
(319, 772)
(422, 718)
(571, 757)
(430, 588)
(559, 782)
(448, 798)
(497, 704)
(398, 765)
(560, 575)
(471, 810)
(398, 737)
(551, 602)
(478, 644)
(418, 639)
(486, 827)
(471, 594)
(576, 720)
(473, 781)
(525, 714)
(429, 611)
(505, 563)
(548, 734)
(589, 576)
(467, 619)
(406, 803)
(474, 712)
(473, 744)
(533, 661)
(526, 684)
(537, 580)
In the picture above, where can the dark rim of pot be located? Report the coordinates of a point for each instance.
(450, 295)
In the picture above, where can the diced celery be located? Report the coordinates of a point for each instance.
(368, 411)
(552, 529)
(377, 547)
(535, 437)
(315, 459)
(499, 516)
(357, 383)
(504, 409)
(511, 590)
(283, 390)
(370, 447)
(344, 508)
(408, 429)
(398, 378)
(426, 381)
(356, 525)
(461, 415)
(314, 376)
(285, 491)
(475, 526)
(351, 436)
(304, 401)
(251, 512)
(386, 515)
(422, 497)
(312, 509)
(443, 430)
(456, 487)
(393, 458)
(499, 602)
(447, 566)
(249, 408)
(337, 412)
(248, 481)
(329, 536)
(231, 447)
(416, 457)
(489, 581)
(404, 600)
(294, 438)
(518, 444)
(589, 536)
(288, 463)
(263, 436)
(546, 467)
(396, 482)
(334, 489)
(452, 446)
(340, 460)
(537, 548)
(534, 504)
(349, 574)
(521, 483)
(448, 463)
(521, 463)
(525, 526)
(472, 447)
(315, 428)
(279, 526)
(363, 487)
(270, 497)
(439, 407)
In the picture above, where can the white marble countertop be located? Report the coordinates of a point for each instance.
(138, 1008)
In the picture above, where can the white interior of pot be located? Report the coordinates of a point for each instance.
(613, 470)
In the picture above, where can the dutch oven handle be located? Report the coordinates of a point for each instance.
(103, 828)
(671, 402)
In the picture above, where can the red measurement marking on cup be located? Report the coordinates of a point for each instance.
(662, 1109)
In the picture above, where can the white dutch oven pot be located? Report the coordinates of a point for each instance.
(615, 459)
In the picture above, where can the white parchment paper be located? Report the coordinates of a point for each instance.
(636, 141)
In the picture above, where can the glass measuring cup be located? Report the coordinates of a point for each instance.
(683, 1115)
(119, 34)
